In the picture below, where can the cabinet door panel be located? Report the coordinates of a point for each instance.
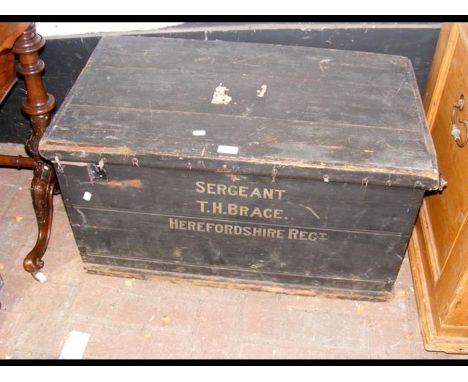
(457, 311)
(448, 209)
(438, 249)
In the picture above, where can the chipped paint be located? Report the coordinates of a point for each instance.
(84, 148)
(310, 209)
(429, 175)
(199, 133)
(100, 165)
(83, 217)
(323, 64)
(220, 97)
(236, 284)
(274, 173)
(127, 183)
(261, 92)
(234, 178)
(225, 149)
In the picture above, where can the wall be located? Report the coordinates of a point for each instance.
(59, 30)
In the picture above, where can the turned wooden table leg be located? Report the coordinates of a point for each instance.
(38, 105)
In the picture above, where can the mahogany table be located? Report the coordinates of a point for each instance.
(21, 39)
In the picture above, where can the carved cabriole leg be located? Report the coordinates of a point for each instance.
(37, 105)
(42, 192)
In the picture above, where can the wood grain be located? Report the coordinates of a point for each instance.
(22, 40)
(219, 282)
(341, 136)
(9, 32)
(121, 226)
(320, 108)
(7, 73)
(440, 66)
(439, 246)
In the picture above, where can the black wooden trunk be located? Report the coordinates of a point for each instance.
(262, 164)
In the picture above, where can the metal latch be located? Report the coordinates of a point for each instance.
(97, 173)
(455, 132)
